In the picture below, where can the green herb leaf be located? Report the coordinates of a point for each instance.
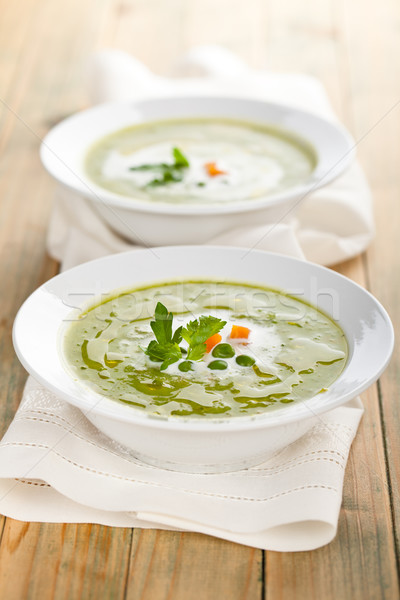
(168, 176)
(166, 354)
(197, 352)
(168, 173)
(177, 337)
(197, 332)
(151, 167)
(165, 348)
(162, 326)
(180, 159)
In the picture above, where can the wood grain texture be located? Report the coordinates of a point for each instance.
(49, 561)
(42, 79)
(376, 93)
(361, 562)
(166, 565)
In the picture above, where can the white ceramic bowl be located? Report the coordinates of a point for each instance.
(198, 445)
(157, 223)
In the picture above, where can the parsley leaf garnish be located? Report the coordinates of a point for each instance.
(181, 162)
(165, 348)
(168, 173)
(197, 332)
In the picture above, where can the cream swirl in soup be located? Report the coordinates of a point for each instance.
(199, 161)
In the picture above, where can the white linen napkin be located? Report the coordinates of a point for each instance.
(55, 466)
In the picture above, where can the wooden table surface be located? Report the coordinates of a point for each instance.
(354, 48)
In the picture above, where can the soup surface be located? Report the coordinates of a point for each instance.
(205, 349)
(199, 161)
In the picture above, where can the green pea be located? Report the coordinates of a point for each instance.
(245, 361)
(223, 351)
(185, 366)
(218, 365)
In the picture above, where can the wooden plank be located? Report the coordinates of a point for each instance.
(305, 41)
(11, 53)
(242, 27)
(182, 566)
(151, 30)
(178, 27)
(25, 188)
(54, 562)
(381, 276)
(42, 561)
(360, 563)
(374, 57)
(2, 523)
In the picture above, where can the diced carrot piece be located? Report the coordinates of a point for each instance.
(239, 332)
(212, 169)
(213, 341)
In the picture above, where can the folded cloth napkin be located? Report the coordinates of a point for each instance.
(331, 224)
(55, 466)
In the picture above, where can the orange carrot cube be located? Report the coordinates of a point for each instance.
(239, 332)
(213, 341)
(212, 169)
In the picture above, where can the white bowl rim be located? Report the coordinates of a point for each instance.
(98, 194)
(239, 423)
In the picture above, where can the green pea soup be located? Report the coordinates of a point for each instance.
(248, 161)
(293, 351)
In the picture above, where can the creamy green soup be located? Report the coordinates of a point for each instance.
(205, 349)
(219, 161)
